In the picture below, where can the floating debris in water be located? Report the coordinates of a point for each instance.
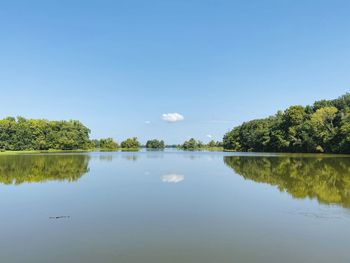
(58, 217)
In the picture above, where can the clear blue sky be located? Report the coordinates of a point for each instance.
(119, 65)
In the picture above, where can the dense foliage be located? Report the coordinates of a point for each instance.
(322, 127)
(130, 143)
(39, 134)
(105, 144)
(214, 144)
(326, 179)
(155, 144)
(193, 144)
(18, 169)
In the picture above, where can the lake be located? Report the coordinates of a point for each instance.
(174, 206)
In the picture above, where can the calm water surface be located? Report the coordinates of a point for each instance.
(174, 206)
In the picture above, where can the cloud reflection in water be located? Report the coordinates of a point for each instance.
(172, 178)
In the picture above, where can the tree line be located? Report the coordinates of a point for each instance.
(155, 144)
(18, 134)
(21, 134)
(130, 143)
(323, 127)
(193, 144)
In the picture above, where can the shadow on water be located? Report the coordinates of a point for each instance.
(19, 169)
(326, 179)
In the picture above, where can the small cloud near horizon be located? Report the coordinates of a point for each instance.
(209, 136)
(172, 117)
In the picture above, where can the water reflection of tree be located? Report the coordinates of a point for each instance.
(18, 169)
(132, 157)
(327, 179)
(107, 158)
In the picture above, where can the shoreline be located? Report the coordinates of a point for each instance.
(271, 154)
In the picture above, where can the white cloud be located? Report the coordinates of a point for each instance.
(209, 136)
(172, 117)
(172, 178)
(147, 122)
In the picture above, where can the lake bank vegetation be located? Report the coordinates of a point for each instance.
(130, 144)
(193, 144)
(18, 134)
(155, 144)
(41, 136)
(323, 127)
(105, 144)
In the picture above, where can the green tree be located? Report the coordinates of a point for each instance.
(211, 144)
(322, 127)
(191, 145)
(32, 134)
(155, 144)
(344, 133)
(214, 144)
(131, 143)
(108, 144)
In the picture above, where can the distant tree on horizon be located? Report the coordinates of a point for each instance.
(155, 144)
(191, 144)
(108, 144)
(131, 143)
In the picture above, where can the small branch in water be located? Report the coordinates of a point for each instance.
(58, 217)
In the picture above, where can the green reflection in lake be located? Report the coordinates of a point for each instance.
(172, 207)
(18, 169)
(325, 178)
